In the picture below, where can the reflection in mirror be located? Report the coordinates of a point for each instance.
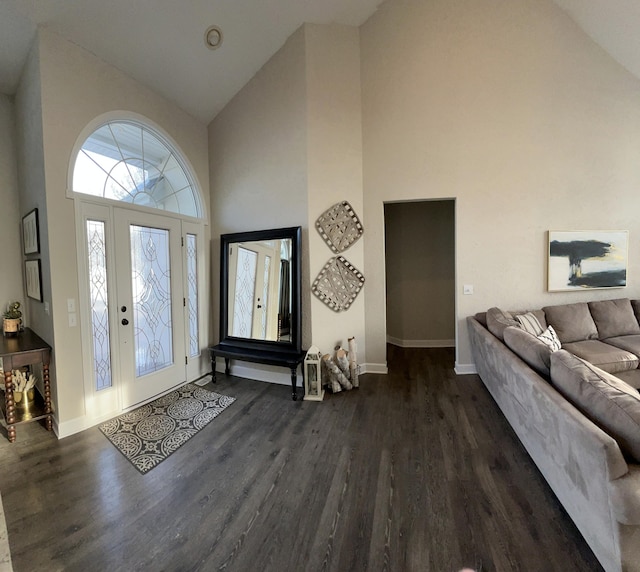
(259, 290)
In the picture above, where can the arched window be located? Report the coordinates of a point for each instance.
(127, 161)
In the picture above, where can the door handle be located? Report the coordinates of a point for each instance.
(125, 322)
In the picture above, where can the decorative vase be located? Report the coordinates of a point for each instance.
(11, 326)
(25, 401)
(22, 398)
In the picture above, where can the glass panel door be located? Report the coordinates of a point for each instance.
(245, 288)
(151, 289)
(150, 304)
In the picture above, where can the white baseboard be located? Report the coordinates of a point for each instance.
(421, 343)
(71, 427)
(465, 368)
(373, 368)
(270, 374)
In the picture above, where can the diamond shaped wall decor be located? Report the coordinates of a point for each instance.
(339, 226)
(338, 283)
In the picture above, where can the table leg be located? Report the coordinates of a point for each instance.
(294, 386)
(10, 405)
(47, 395)
(227, 366)
(213, 366)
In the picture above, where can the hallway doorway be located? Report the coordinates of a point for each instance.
(420, 273)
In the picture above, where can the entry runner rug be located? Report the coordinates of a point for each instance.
(148, 435)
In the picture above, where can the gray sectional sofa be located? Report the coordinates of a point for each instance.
(576, 410)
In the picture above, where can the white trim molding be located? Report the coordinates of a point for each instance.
(465, 368)
(421, 343)
(270, 374)
(373, 368)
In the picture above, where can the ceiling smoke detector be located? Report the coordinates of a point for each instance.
(213, 37)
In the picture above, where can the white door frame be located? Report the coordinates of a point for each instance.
(107, 403)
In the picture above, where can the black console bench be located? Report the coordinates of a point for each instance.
(290, 359)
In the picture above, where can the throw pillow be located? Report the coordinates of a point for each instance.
(529, 323)
(609, 402)
(550, 338)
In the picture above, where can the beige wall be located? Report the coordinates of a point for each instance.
(285, 149)
(10, 214)
(76, 88)
(334, 167)
(420, 272)
(31, 183)
(258, 160)
(512, 110)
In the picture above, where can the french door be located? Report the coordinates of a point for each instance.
(253, 295)
(141, 296)
(151, 342)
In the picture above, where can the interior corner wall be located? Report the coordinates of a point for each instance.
(10, 215)
(258, 161)
(76, 88)
(334, 158)
(512, 110)
(420, 272)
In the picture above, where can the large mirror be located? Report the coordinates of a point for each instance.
(260, 289)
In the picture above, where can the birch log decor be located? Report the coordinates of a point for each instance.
(353, 362)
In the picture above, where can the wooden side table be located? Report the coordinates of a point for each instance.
(25, 349)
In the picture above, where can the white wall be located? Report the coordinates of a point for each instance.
(10, 215)
(512, 110)
(420, 273)
(334, 167)
(285, 149)
(77, 87)
(258, 160)
(31, 182)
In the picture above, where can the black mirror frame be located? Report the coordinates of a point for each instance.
(227, 341)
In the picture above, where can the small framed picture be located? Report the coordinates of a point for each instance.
(31, 232)
(33, 279)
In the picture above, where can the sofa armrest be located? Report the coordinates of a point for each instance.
(625, 496)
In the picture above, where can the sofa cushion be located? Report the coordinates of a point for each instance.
(628, 343)
(529, 348)
(631, 376)
(635, 304)
(482, 318)
(498, 320)
(614, 318)
(609, 402)
(572, 322)
(603, 355)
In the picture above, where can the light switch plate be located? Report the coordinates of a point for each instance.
(467, 289)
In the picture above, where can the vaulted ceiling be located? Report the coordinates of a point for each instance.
(161, 42)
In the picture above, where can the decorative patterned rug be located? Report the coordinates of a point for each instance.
(148, 435)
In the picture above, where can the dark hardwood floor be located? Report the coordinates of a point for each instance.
(415, 471)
